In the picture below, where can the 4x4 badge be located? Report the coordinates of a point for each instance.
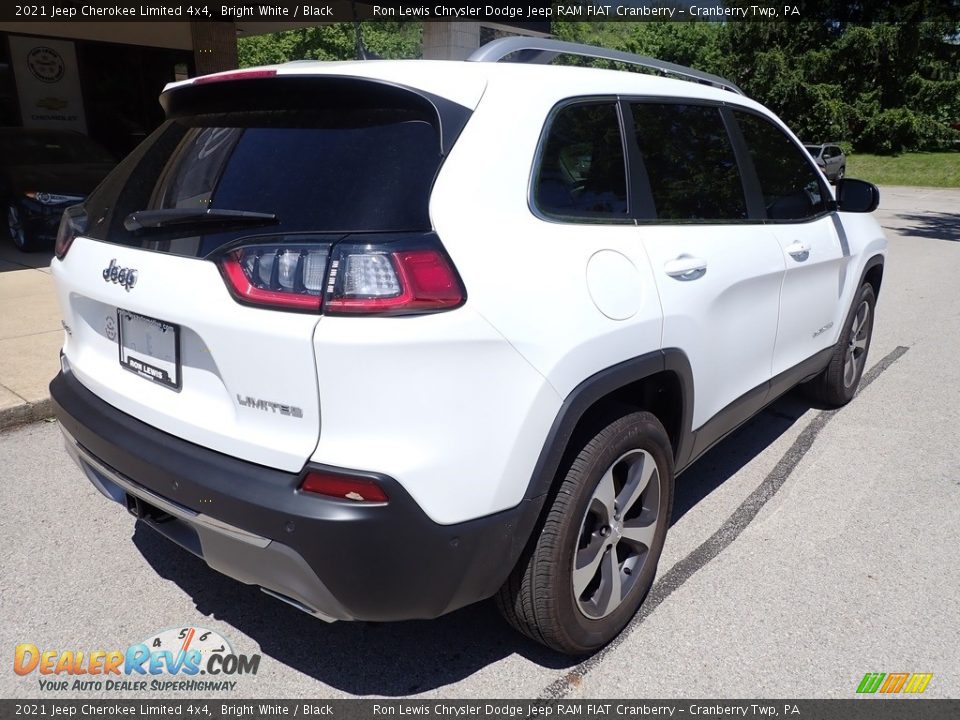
(123, 276)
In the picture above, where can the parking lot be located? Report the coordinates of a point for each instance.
(808, 549)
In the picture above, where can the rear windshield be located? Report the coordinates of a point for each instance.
(323, 171)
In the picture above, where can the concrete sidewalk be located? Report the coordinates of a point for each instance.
(30, 335)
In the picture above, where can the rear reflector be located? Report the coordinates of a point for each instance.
(343, 487)
(238, 75)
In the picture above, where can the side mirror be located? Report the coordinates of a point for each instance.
(857, 196)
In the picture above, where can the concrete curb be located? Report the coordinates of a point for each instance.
(26, 413)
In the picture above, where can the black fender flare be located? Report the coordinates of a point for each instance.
(595, 388)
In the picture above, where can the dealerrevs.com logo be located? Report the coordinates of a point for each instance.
(180, 659)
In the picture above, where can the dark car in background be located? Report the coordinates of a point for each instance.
(829, 158)
(41, 173)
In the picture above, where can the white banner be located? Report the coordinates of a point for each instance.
(48, 83)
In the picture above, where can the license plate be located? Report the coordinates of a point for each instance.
(150, 348)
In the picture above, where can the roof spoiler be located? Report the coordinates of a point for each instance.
(246, 91)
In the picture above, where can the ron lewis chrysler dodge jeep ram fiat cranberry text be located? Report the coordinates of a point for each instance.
(388, 338)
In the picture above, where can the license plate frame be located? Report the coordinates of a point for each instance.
(164, 370)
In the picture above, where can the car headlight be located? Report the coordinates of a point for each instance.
(45, 198)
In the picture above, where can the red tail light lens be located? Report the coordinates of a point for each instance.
(343, 487)
(383, 280)
(403, 275)
(284, 276)
(72, 223)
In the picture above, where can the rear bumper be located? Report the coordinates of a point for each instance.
(336, 559)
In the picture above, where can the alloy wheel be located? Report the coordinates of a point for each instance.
(857, 345)
(616, 534)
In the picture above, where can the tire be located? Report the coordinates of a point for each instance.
(837, 384)
(629, 463)
(16, 231)
(840, 173)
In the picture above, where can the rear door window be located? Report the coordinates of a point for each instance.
(689, 162)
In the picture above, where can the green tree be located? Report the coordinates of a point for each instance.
(883, 87)
(333, 41)
(688, 43)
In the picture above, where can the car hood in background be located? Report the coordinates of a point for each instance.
(73, 179)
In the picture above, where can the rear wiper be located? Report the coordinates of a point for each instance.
(146, 219)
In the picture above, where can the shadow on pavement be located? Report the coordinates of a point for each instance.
(390, 659)
(407, 658)
(735, 451)
(13, 259)
(935, 225)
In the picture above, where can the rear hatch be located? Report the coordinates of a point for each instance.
(192, 280)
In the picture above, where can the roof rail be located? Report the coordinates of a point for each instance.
(544, 50)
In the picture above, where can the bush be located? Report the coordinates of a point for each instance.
(897, 129)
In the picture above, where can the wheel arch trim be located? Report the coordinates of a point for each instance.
(599, 386)
(876, 260)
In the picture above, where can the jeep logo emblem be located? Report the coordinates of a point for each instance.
(123, 276)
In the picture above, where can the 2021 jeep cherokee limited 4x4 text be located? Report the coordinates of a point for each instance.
(389, 338)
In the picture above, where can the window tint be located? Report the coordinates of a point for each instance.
(790, 184)
(582, 172)
(689, 161)
(317, 171)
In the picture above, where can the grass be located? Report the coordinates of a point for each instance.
(923, 169)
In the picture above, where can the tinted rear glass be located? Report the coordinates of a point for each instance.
(323, 171)
(582, 172)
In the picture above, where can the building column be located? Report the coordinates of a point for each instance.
(450, 40)
(214, 46)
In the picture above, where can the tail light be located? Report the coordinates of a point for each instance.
(397, 276)
(73, 222)
(280, 276)
(344, 487)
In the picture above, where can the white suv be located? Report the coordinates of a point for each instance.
(388, 338)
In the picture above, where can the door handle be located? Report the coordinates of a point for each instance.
(798, 251)
(686, 267)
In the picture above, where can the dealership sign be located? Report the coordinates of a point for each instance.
(48, 83)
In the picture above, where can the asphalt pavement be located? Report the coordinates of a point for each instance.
(808, 549)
